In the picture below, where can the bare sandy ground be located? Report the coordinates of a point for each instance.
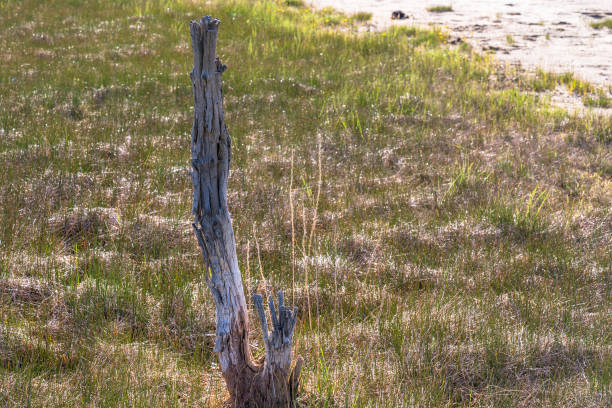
(552, 34)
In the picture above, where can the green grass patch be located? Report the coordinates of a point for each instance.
(294, 3)
(440, 9)
(361, 17)
(600, 100)
(607, 23)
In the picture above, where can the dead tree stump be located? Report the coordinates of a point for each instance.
(272, 382)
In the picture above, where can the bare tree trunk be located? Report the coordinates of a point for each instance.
(272, 382)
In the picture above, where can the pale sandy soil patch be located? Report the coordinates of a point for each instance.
(553, 35)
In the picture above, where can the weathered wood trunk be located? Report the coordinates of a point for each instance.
(272, 382)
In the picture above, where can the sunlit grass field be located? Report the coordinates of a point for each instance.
(445, 231)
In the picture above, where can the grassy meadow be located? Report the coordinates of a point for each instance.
(445, 231)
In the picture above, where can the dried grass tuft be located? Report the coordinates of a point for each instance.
(24, 290)
(86, 222)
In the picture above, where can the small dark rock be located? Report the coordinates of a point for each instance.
(398, 15)
(491, 48)
(594, 14)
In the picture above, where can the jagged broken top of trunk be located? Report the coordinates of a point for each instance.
(211, 143)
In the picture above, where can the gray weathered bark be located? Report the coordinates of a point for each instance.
(272, 382)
